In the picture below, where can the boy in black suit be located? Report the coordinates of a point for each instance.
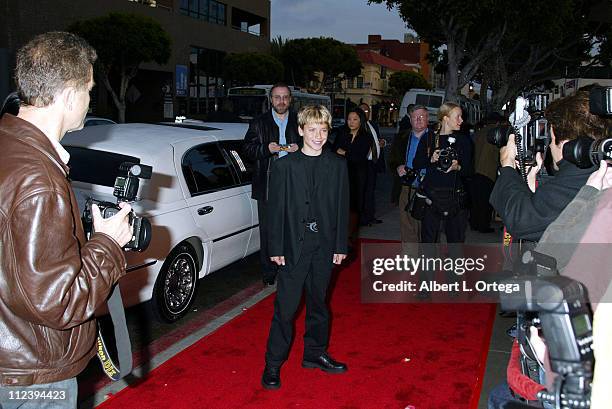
(307, 235)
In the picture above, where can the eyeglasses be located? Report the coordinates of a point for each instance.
(421, 117)
(281, 97)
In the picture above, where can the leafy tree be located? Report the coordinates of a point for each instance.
(402, 81)
(509, 45)
(453, 23)
(559, 42)
(123, 42)
(276, 47)
(318, 61)
(253, 68)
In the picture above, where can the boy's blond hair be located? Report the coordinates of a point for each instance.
(316, 114)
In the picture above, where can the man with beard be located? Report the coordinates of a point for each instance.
(270, 136)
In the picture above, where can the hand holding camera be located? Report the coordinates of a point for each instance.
(446, 158)
(117, 227)
(274, 147)
(507, 154)
(111, 217)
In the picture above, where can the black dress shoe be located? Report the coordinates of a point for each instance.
(269, 280)
(271, 377)
(325, 363)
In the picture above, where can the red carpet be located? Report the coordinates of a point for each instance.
(430, 356)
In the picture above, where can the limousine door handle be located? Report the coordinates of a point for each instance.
(205, 210)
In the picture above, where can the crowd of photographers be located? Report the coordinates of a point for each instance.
(540, 206)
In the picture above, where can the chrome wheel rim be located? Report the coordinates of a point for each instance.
(179, 283)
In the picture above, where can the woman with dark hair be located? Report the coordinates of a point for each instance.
(354, 143)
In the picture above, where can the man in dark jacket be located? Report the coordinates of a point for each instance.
(51, 279)
(270, 136)
(528, 213)
(376, 164)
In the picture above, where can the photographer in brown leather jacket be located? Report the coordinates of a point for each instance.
(51, 279)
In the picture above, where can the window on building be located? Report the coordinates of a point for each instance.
(208, 10)
(383, 72)
(248, 22)
(359, 82)
(206, 84)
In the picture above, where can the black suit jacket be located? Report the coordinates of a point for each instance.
(380, 163)
(263, 130)
(289, 203)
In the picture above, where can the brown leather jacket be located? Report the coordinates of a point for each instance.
(51, 279)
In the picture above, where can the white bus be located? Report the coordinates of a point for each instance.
(251, 101)
(434, 99)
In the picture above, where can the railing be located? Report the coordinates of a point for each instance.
(155, 3)
(255, 33)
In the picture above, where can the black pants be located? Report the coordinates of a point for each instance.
(481, 211)
(454, 227)
(312, 273)
(268, 268)
(369, 199)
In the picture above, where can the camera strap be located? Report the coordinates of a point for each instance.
(122, 340)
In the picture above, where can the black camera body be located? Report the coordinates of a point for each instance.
(446, 158)
(410, 176)
(125, 190)
(531, 137)
(563, 313)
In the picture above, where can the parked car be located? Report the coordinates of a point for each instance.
(96, 120)
(337, 122)
(198, 201)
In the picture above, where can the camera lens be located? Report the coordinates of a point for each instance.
(498, 135)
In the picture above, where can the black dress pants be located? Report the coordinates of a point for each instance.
(481, 211)
(312, 273)
(268, 268)
(454, 228)
(369, 195)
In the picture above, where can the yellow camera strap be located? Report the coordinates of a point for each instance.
(122, 340)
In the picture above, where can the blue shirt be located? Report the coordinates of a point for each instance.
(282, 126)
(413, 142)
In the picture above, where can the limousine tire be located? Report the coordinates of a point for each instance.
(176, 283)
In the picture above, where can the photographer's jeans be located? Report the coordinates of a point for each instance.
(55, 395)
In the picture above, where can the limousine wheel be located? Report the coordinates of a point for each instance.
(175, 286)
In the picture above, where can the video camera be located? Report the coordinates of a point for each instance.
(125, 190)
(563, 313)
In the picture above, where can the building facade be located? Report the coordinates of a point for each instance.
(380, 59)
(202, 33)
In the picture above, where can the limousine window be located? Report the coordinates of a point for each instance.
(95, 167)
(244, 167)
(206, 169)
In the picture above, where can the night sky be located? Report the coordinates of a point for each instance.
(349, 21)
